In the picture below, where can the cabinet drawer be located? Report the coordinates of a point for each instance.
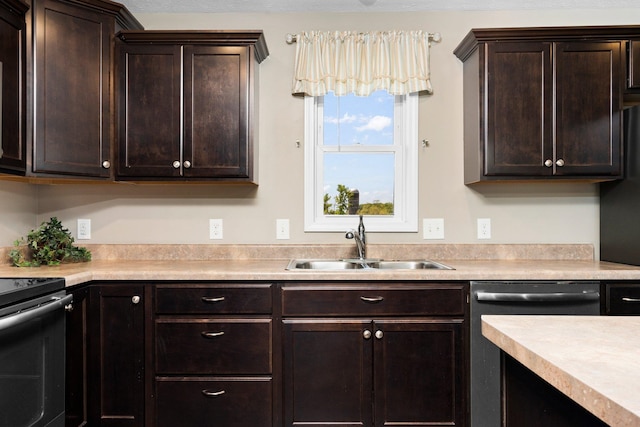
(623, 299)
(383, 300)
(224, 403)
(213, 347)
(214, 299)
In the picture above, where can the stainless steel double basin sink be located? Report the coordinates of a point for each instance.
(365, 264)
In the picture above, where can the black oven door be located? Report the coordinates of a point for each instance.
(32, 362)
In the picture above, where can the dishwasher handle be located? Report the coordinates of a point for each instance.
(584, 296)
(34, 313)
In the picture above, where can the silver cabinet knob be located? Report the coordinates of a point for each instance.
(560, 162)
(379, 334)
(176, 164)
(366, 334)
(187, 164)
(548, 163)
(135, 299)
(106, 164)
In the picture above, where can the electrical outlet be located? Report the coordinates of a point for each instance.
(484, 228)
(84, 229)
(282, 229)
(433, 228)
(215, 229)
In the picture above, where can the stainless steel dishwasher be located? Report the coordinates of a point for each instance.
(509, 298)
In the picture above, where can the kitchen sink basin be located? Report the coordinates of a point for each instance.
(321, 264)
(367, 264)
(410, 265)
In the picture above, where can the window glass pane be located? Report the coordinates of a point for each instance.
(370, 174)
(357, 120)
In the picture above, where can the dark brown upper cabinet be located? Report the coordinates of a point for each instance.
(13, 152)
(70, 49)
(543, 103)
(187, 105)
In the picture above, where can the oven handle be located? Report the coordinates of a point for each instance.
(538, 297)
(30, 314)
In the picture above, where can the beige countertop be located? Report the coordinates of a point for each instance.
(268, 262)
(274, 270)
(595, 360)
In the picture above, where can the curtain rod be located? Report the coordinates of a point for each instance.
(433, 37)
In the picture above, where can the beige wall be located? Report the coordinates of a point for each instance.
(520, 213)
(18, 211)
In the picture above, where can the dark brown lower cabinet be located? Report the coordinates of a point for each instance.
(399, 372)
(373, 371)
(119, 400)
(237, 402)
(232, 354)
(529, 400)
(105, 356)
(214, 355)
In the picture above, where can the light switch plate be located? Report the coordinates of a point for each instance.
(433, 228)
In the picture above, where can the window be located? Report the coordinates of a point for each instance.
(368, 144)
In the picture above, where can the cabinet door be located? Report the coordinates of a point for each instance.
(418, 373)
(73, 104)
(327, 373)
(149, 118)
(216, 111)
(118, 381)
(12, 90)
(589, 85)
(518, 114)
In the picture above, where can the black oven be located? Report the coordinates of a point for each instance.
(32, 352)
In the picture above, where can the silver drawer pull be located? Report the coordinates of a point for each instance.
(628, 299)
(212, 299)
(207, 334)
(372, 300)
(210, 393)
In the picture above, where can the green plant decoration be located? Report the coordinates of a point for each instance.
(51, 244)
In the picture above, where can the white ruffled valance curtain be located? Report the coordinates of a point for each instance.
(355, 62)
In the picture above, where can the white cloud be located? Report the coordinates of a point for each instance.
(344, 119)
(375, 123)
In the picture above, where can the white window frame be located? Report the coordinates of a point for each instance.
(405, 146)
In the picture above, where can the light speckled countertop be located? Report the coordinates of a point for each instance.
(274, 270)
(595, 360)
(268, 262)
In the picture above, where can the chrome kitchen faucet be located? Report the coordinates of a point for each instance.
(360, 238)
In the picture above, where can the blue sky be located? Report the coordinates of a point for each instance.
(351, 120)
